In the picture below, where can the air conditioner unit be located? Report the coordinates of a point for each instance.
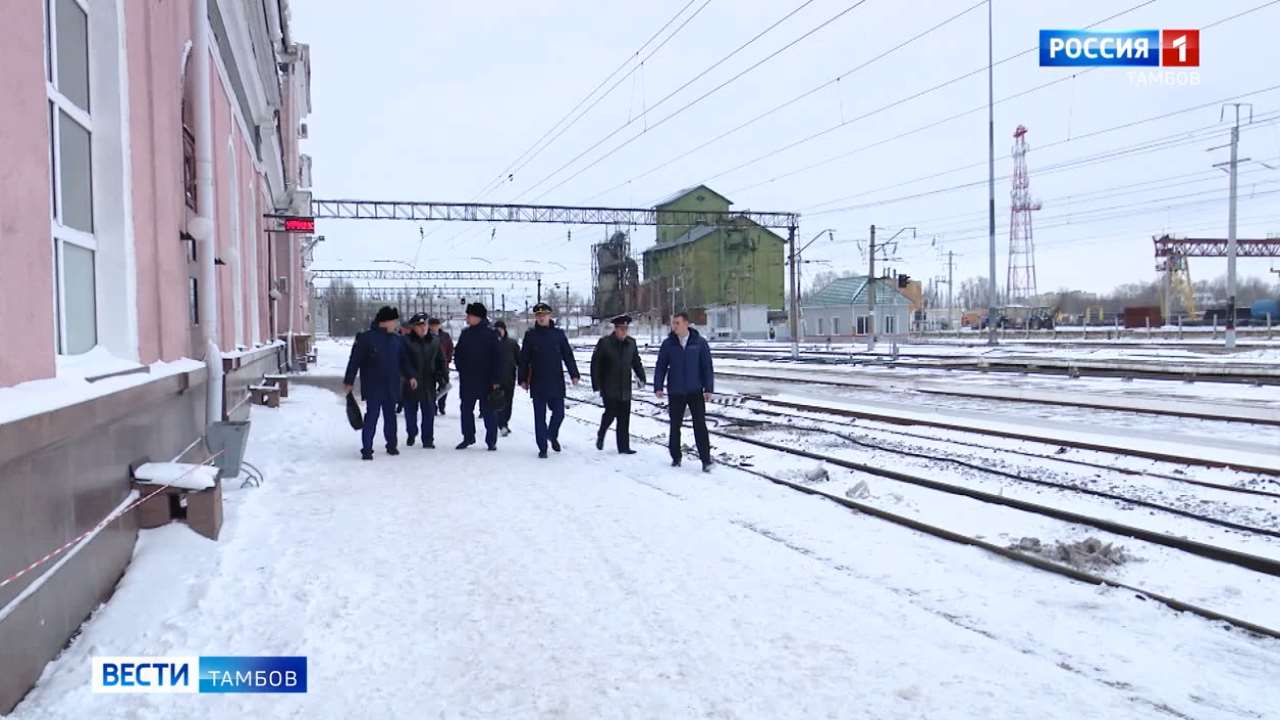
(302, 130)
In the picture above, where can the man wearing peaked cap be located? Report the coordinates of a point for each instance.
(615, 359)
(544, 354)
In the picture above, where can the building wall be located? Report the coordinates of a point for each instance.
(816, 320)
(61, 471)
(710, 202)
(26, 279)
(705, 270)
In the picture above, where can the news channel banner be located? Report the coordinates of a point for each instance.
(203, 674)
(1124, 48)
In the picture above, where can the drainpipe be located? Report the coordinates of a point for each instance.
(204, 227)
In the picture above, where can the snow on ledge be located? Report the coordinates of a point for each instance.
(185, 476)
(72, 384)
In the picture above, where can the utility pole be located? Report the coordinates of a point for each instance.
(1231, 222)
(991, 188)
(871, 293)
(795, 297)
(539, 290)
(951, 268)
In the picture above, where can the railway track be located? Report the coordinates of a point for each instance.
(1049, 455)
(1243, 560)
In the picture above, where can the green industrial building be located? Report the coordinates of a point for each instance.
(697, 266)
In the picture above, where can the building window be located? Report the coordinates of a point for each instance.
(822, 326)
(189, 159)
(862, 324)
(193, 300)
(890, 324)
(71, 170)
(835, 326)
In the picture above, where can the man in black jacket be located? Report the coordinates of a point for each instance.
(615, 358)
(427, 361)
(477, 357)
(435, 329)
(510, 358)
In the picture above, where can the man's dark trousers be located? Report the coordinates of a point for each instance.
(508, 395)
(427, 408)
(619, 409)
(487, 413)
(541, 430)
(698, 409)
(373, 408)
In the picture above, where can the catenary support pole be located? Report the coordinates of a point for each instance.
(991, 189)
(795, 296)
(871, 294)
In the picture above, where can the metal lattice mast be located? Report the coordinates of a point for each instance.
(1020, 285)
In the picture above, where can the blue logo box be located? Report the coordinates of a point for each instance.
(253, 674)
(1087, 48)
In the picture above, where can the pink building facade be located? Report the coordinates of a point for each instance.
(107, 229)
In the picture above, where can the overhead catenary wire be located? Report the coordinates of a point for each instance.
(815, 208)
(673, 93)
(838, 78)
(903, 100)
(539, 145)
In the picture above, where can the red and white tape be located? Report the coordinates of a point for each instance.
(110, 518)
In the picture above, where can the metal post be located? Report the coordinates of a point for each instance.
(1231, 235)
(951, 267)
(795, 296)
(539, 290)
(871, 293)
(991, 187)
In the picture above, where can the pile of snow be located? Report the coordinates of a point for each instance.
(1088, 554)
(185, 476)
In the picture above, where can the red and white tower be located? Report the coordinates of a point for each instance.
(1021, 283)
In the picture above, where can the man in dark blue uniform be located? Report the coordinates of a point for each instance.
(477, 357)
(544, 354)
(684, 364)
(380, 356)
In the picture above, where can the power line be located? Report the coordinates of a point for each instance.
(1095, 133)
(707, 94)
(620, 80)
(900, 101)
(793, 100)
(671, 94)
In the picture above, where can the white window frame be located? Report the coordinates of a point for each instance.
(890, 323)
(835, 325)
(58, 103)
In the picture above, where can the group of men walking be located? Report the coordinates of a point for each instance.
(405, 367)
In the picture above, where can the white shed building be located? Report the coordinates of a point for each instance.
(840, 309)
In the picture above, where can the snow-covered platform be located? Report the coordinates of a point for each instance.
(496, 585)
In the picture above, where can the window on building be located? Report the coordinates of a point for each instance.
(822, 326)
(890, 324)
(835, 326)
(193, 300)
(189, 158)
(862, 324)
(71, 170)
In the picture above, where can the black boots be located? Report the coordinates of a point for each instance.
(599, 441)
(366, 454)
(555, 444)
(465, 444)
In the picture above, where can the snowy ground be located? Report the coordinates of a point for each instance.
(497, 585)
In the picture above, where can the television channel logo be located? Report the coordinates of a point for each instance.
(1126, 48)
(204, 674)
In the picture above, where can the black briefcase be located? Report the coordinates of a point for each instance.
(354, 415)
(497, 397)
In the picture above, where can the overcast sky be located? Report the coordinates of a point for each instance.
(433, 100)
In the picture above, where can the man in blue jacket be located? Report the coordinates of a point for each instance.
(477, 357)
(381, 358)
(544, 349)
(684, 362)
